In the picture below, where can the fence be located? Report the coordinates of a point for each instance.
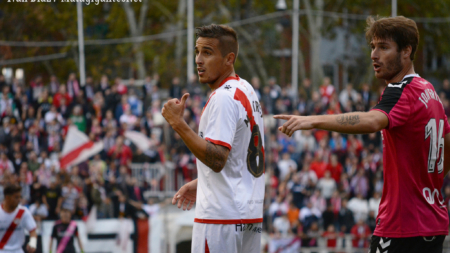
(164, 179)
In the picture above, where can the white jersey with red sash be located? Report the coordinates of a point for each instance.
(12, 225)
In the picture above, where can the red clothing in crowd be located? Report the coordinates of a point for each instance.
(361, 235)
(319, 167)
(123, 153)
(335, 171)
(57, 99)
(331, 238)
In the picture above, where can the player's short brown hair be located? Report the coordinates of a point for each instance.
(11, 189)
(401, 30)
(228, 42)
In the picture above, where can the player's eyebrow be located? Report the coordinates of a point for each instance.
(379, 43)
(208, 48)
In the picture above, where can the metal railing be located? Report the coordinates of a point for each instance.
(164, 179)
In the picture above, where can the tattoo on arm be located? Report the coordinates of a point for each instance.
(347, 119)
(216, 156)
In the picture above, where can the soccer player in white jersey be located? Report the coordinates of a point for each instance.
(229, 148)
(14, 218)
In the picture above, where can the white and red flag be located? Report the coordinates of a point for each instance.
(78, 148)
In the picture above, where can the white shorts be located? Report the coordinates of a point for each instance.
(224, 238)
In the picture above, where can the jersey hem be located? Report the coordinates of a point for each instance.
(239, 221)
(412, 234)
(221, 143)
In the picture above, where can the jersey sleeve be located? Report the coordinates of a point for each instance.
(28, 221)
(222, 119)
(395, 104)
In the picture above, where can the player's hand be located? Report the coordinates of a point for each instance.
(173, 110)
(293, 124)
(186, 196)
(30, 249)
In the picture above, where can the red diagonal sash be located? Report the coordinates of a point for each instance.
(11, 228)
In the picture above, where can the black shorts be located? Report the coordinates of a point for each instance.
(420, 244)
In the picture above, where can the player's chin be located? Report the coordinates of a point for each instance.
(203, 79)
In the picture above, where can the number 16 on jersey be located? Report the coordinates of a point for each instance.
(436, 144)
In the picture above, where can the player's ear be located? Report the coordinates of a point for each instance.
(230, 58)
(406, 52)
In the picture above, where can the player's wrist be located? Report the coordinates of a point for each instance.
(178, 124)
(33, 242)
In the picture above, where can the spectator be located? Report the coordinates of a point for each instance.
(50, 199)
(307, 175)
(89, 89)
(366, 96)
(278, 207)
(335, 168)
(331, 236)
(175, 89)
(121, 87)
(326, 90)
(298, 191)
(120, 152)
(346, 219)
(309, 214)
(318, 165)
(78, 118)
(292, 213)
(5, 164)
(359, 206)
(374, 203)
(286, 166)
(360, 184)
(69, 197)
(73, 88)
(361, 233)
(327, 185)
(53, 85)
(348, 94)
(305, 142)
(61, 96)
(328, 217)
(281, 225)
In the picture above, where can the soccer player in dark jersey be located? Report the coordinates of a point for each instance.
(412, 215)
(64, 231)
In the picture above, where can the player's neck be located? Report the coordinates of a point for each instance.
(219, 81)
(407, 70)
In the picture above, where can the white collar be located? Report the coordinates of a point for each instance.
(410, 75)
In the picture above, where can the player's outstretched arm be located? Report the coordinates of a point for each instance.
(350, 123)
(446, 154)
(212, 155)
(186, 196)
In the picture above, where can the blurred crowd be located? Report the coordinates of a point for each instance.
(319, 184)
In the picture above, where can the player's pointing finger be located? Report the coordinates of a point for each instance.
(286, 117)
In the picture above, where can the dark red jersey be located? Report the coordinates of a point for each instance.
(413, 160)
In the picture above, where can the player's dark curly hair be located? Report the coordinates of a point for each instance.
(11, 189)
(228, 41)
(401, 30)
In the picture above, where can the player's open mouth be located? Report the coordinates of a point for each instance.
(200, 71)
(376, 67)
